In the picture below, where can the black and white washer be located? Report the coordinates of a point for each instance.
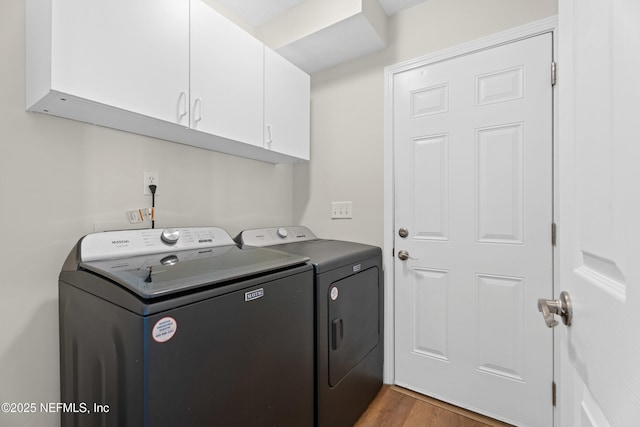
(180, 327)
(349, 318)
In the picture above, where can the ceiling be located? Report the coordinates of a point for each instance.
(257, 12)
(329, 45)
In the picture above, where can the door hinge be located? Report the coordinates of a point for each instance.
(553, 73)
(553, 393)
(553, 233)
(393, 252)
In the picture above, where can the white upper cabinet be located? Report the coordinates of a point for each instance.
(227, 77)
(287, 106)
(131, 55)
(170, 69)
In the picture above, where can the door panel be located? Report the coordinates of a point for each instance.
(473, 184)
(500, 331)
(599, 210)
(499, 174)
(353, 312)
(430, 169)
(430, 303)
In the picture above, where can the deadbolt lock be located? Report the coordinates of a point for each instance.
(403, 232)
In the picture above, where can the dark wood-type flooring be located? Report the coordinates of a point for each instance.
(397, 407)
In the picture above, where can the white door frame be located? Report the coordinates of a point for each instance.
(529, 30)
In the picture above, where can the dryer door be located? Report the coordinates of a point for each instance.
(353, 321)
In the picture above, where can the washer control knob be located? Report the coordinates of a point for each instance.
(282, 232)
(170, 236)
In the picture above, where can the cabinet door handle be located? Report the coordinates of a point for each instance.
(182, 105)
(269, 137)
(197, 111)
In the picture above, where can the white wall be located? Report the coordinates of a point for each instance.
(347, 106)
(61, 179)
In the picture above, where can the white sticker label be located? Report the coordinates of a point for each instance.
(164, 329)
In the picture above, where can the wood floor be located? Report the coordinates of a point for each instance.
(398, 407)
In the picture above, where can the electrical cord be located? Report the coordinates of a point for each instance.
(153, 188)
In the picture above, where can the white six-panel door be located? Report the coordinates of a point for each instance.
(473, 187)
(599, 215)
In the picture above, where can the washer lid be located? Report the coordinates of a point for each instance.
(160, 274)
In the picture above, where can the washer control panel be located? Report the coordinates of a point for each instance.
(128, 243)
(259, 237)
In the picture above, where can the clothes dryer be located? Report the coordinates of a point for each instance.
(349, 318)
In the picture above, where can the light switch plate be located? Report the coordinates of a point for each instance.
(341, 210)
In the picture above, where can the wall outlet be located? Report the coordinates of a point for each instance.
(148, 179)
(341, 210)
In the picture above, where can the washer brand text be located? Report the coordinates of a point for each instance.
(250, 296)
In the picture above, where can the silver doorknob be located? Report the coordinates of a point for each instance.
(403, 232)
(562, 307)
(403, 255)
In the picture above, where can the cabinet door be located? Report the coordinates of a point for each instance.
(226, 77)
(287, 103)
(130, 55)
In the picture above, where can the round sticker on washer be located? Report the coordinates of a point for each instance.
(334, 293)
(164, 329)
